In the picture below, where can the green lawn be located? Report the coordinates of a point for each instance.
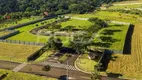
(12, 23)
(85, 64)
(44, 56)
(21, 76)
(25, 34)
(63, 58)
(116, 16)
(2, 33)
(126, 6)
(113, 36)
(79, 24)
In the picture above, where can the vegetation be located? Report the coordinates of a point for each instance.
(18, 76)
(3, 33)
(46, 68)
(63, 58)
(16, 52)
(86, 64)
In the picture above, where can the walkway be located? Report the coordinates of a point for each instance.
(58, 65)
(19, 67)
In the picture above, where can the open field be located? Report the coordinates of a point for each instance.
(17, 53)
(85, 64)
(79, 24)
(115, 16)
(112, 37)
(130, 65)
(2, 33)
(25, 34)
(11, 23)
(21, 76)
(126, 6)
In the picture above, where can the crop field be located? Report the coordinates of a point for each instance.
(112, 37)
(130, 65)
(113, 16)
(21, 76)
(25, 34)
(16, 52)
(12, 23)
(2, 33)
(85, 64)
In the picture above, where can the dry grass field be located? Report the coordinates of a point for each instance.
(130, 65)
(16, 52)
(2, 33)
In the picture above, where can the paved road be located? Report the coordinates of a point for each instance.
(58, 65)
(37, 70)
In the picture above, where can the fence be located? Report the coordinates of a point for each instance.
(12, 33)
(23, 42)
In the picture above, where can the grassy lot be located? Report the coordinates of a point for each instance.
(116, 16)
(112, 37)
(16, 52)
(21, 76)
(85, 64)
(2, 33)
(130, 65)
(79, 24)
(11, 23)
(126, 6)
(44, 56)
(63, 58)
(25, 34)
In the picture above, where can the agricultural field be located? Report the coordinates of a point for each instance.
(21, 76)
(85, 64)
(112, 37)
(16, 52)
(113, 16)
(9, 23)
(25, 34)
(130, 65)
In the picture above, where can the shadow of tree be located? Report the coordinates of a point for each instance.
(108, 39)
(113, 58)
(3, 76)
(110, 32)
(114, 75)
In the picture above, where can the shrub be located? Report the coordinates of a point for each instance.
(46, 68)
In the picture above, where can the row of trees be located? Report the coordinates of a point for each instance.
(52, 6)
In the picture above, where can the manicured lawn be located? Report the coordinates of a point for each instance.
(21, 76)
(116, 16)
(85, 64)
(12, 23)
(114, 37)
(44, 56)
(63, 58)
(16, 52)
(80, 24)
(25, 34)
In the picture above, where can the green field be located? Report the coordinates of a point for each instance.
(115, 16)
(85, 64)
(25, 34)
(21, 76)
(16, 52)
(126, 6)
(12, 23)
(79, 24)
(112, 37)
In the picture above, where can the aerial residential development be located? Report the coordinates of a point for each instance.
(70, 39)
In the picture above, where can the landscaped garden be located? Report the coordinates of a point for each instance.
(16, 52)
